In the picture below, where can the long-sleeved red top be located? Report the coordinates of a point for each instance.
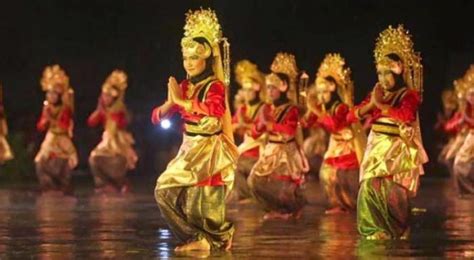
(63, 119)
(99, 117)
(211, 103)
(333, 122)
(248, 114)
(403, 107)
(283, 121)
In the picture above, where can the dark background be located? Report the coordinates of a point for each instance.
(91, 38)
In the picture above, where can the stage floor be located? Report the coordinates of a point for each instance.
(130, 227)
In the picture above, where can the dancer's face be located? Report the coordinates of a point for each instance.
(52, 97)
(273, 92)
(194, 65)
(470, 96)
(386, 78)
(249, 94)
(107, 99)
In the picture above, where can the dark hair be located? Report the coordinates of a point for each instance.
(285, 78)
(334, 95)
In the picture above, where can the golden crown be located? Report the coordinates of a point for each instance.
(201, 23)
(54, 78)
(398, 41)
(246, 70)
(285, 63)
(116, 81)
(333, 66)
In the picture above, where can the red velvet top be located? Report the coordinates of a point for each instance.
(63, 122)
(213, 105)
(286, 126)
(99, 117)
(404, 111)
(333, 122)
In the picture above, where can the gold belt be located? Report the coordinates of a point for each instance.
(386, 128)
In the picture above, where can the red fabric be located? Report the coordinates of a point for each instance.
(214, 180)
(240, 114)
(287, 126)
(404, 111)
(96, 118)
(454, 124)
(120, 118)
(298, 181)
(344, 162)
(213, 105)
(64, 119)
(311, 121)
(253, 153)
(337, 121)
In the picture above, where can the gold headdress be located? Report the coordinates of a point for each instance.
(55, 79)
(333, 66)
(398, 41)
(247, 73)
(284, 63)
(115, 84)
(203, 23)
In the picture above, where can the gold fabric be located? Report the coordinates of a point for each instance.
(392, 155)
(195, 213)
(339, 186)
(201, 157)
(116, 141)
(281, 159)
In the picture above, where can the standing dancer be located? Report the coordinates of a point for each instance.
(276, 178)
(252, 82)
(114, 155)
(339, 174)
(57, 155)
(191, 192)
(394, 158)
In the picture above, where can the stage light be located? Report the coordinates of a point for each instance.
(165, 124)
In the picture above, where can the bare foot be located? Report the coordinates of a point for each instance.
(276, 215)
(200, 245)
(335, 210)
(228, 245)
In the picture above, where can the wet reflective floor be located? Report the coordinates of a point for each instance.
(130, 227)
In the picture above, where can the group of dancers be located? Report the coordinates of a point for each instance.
(110, 160)
(371, 164)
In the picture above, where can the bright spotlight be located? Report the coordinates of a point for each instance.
(165, 124)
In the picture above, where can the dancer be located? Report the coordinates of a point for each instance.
(6, 153)
(339, 174)
(464, 160)
(191, 192)
(57, 155)
(252, 82)
(394, 158)
(277, 177)
(114, 155)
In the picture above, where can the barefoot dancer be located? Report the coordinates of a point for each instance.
(339, 174)
(276, 178)
(114, 155)
(191, 192)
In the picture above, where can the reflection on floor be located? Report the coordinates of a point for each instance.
(119, 227)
